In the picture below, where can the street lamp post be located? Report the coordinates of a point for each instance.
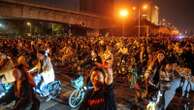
(123, 28)
(30, 26)
(140, 8)
(123, 13)
(139, 22)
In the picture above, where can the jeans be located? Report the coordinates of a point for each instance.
(187, 86)
(170, 93)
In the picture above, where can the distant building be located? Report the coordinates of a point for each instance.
(155, 15)
(151, 13)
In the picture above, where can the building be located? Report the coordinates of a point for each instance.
(149, 10)
(155, 15)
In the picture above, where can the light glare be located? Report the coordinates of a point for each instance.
(124, 13)
(145, 7)
(134, 8)
(28, 24)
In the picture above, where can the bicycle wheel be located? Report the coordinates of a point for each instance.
(76, 98)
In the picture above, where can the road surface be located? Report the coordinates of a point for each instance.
(124, 95)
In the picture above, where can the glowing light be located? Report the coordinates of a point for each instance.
(28, 24)
(175, 32)
(144, 15)
(2, 25)
(180, 37)
(124, 13)
(134, 8)
(145, 7)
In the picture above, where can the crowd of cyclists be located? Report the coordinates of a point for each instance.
(25, 73)
(148, 63)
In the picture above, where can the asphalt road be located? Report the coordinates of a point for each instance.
(124, 95)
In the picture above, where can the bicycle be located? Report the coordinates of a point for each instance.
(6, 88)
(50, 91)
(78, 95)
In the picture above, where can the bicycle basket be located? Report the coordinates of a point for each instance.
(78, 83)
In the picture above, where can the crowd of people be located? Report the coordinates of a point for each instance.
(140, 59)
(22, 73)
(79, 52)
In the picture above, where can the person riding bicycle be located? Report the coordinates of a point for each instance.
(23, 89)
(152, 73)
(183, 69)
(167, 74)
(6, 69)
(6, 79)
(45, 71)
(101, 97)
(6, 72)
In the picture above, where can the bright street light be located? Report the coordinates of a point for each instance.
(145, 7)
(30, 27)
(28, 24)
(134, 8)
(141, 8)
(2, 25)
(123, 13)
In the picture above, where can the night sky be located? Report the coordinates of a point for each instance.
(178, 12)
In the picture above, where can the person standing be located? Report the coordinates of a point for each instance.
(101, 97)
(23, 89)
